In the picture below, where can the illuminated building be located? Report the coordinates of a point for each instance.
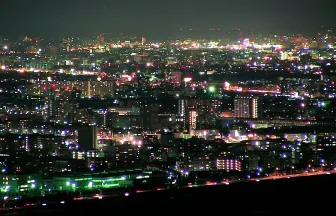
(192, 122)
(123, 117)
(125, 110)
(256, 107)
(176, 78)
(35, 185)
(143, 40)
(242, 107)
(248, 107)
(229, 164)
(88, 88)
(182, 111)
(284, 55)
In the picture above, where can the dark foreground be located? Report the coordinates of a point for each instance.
(304, 195)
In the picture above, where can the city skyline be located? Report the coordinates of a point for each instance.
(159, 104)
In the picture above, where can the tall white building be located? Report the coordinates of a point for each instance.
(192, 122)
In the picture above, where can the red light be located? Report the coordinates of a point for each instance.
(210, 183)
(138, 191)
(158, 189)
(78, 198)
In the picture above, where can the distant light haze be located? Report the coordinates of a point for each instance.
(162, 18)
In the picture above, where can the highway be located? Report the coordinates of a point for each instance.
(96, 197)
(275, 177)
(304, 174)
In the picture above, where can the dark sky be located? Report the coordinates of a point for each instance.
(154, 18)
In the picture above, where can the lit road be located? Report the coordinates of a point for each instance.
(305, 174)
(278, 177)
(256, 91)
(126, 194)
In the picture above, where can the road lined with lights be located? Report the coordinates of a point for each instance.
(305, 174)
(127, 194)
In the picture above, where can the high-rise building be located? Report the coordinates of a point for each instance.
(150, 116)
(87, 137)
(192, 122)
(101, 39)
(256, 107)
(242, 107)
(248, 107)
(143, 40)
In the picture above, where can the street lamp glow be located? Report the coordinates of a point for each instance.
(212, 89)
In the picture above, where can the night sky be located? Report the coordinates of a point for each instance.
(158, 18)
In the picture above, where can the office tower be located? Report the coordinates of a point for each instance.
(248, 107)
(242, 107)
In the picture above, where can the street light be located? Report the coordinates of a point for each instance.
(308, 168)
(322, 164)
(276, 171)
(212, 89)
(292, 170)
